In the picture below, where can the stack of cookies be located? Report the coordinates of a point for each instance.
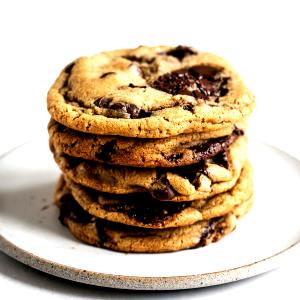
(151, 145)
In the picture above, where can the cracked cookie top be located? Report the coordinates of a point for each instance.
(149, 92)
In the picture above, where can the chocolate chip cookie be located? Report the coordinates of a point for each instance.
(198, 181)
(119, 237)
(149, 92)
(141, 210)
(181, 150)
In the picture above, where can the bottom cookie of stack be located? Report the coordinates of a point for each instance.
(178, 230)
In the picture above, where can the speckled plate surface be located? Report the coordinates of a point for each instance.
(31, 233)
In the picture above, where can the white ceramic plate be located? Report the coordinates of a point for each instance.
(31, 232)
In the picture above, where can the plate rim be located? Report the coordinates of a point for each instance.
(144, 282)
(128, 282)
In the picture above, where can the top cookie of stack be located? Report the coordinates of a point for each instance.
(149, 92)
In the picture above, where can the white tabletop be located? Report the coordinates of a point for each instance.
(38, 38)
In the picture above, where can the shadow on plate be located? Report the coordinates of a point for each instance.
(32, 207)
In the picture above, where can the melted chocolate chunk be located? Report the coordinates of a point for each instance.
(238, 131)
(145, 209)
(106, 151)
(144, 114)
(132, 110)
(223, 91)
(106, 74)
(204, 71)
(200, 81)
(140, 59)
(165, 193)
(209, 230)
(180, 52)
(156, 212)
(69, 208)
(214, 149)
(188, 107)
(221, 159)
(214, 146)
(102, 102)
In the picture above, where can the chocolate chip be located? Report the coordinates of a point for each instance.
(124, 109)
(101, 232)
(119, 105)
(128, 108)
(238, 131)
(188, 107)
(221, 159)
(204, 71)
(208, 231)
(214, 146)
(106, 74)
(102, 102)
(69, 208)
(153, 212)
(149, 210)
(68, 68)
(180, 52)
(140, 59)
(144, 114)
(174, 157)
(202, 169)
(106, 151)
(131, 85)
(199, 94)
(201, 81)
(208, 88)
(177, 82)
(134, 111)
(165, 193)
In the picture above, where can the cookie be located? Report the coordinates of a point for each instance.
(181, 150)
(198, 181)
(149, 92)
(141, 210)
(119, 237)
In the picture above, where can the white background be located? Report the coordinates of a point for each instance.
(38, 38)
